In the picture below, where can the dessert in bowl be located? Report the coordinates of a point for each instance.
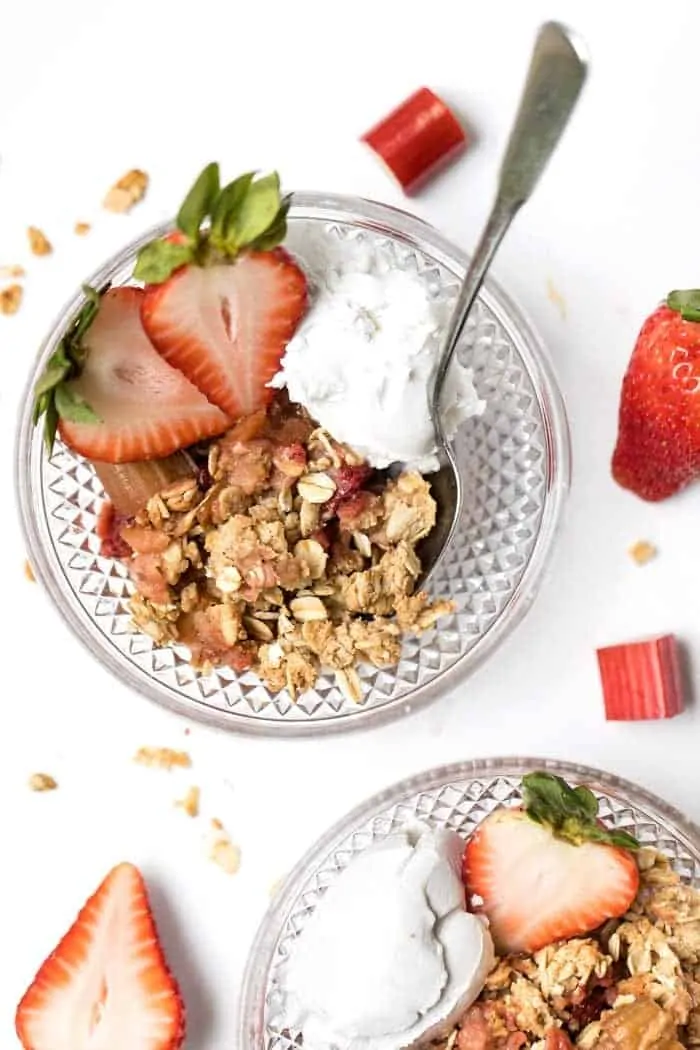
(182, 600)
(490, 905)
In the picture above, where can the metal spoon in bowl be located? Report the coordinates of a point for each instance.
(556, 75)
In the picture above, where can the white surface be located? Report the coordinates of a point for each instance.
(91, 89)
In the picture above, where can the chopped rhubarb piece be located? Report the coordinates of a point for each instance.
(641, 680)
(417, 139)
(130, 485)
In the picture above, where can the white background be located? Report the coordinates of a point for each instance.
(89, 90)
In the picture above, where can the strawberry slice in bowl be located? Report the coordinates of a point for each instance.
(222, 299)
(226, 326)
(549, 870)
(111, 396)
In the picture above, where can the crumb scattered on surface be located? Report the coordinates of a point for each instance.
(39, 243)
(187, 730)
(10, 299)
(216, 824)
(275, 887)
(12, 271)
(642, 552)
(226, 854)
(81, 228)
(556, 298)
(163, 758)
(190, 803)
(127, 192)
(29, 571)
(42, 782)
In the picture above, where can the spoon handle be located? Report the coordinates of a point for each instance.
(556, 75)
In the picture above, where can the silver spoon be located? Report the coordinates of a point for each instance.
(556, 75)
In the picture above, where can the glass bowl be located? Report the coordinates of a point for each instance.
(514, 463)
(457, 797)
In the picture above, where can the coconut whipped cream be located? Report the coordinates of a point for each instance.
(390, 955)
(362, 361)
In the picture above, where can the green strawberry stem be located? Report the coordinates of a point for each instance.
(686, 303)
(54, 398)
(216, 223)
(570, 813)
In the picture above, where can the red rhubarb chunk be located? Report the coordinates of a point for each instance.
(417, 139)
(641, 680)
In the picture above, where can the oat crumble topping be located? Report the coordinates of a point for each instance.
(127, 191)
(81, 228)
(632, 985)
(284, 555)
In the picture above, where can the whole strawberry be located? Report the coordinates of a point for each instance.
(658, 442)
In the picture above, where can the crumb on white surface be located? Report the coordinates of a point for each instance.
(162, 758)
(642, 552)
(42, 782)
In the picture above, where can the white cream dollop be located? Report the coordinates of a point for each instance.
(362, 362)
(390, 956)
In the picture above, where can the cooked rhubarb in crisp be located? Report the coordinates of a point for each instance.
(282, 552)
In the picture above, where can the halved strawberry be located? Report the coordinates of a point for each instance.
(226, 326)
(549, 871)
(145, 408)
(106, 986)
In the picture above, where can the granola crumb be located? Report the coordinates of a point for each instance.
(39, 244)
(226, 855)
(81, 228)
(29, 571)
(42, 782)
(642, 552)
(12, 271)
(10, 299)
(216, 824)
(162, 758)
(126, 192)
(190, 803)
(556, 298)
(275, 887)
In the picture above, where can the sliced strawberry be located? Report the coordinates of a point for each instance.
(548, 872)
(226, 326)
(106, 986)
(146, 408)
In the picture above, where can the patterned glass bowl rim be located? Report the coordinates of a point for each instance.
(255, 985)
(408, 229)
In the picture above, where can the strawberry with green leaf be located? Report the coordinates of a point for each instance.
(658, 443)
(549, 870)
(222, 299)
(111, 396)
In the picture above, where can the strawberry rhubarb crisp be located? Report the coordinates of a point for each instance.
(283, 553)
(251, 535)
